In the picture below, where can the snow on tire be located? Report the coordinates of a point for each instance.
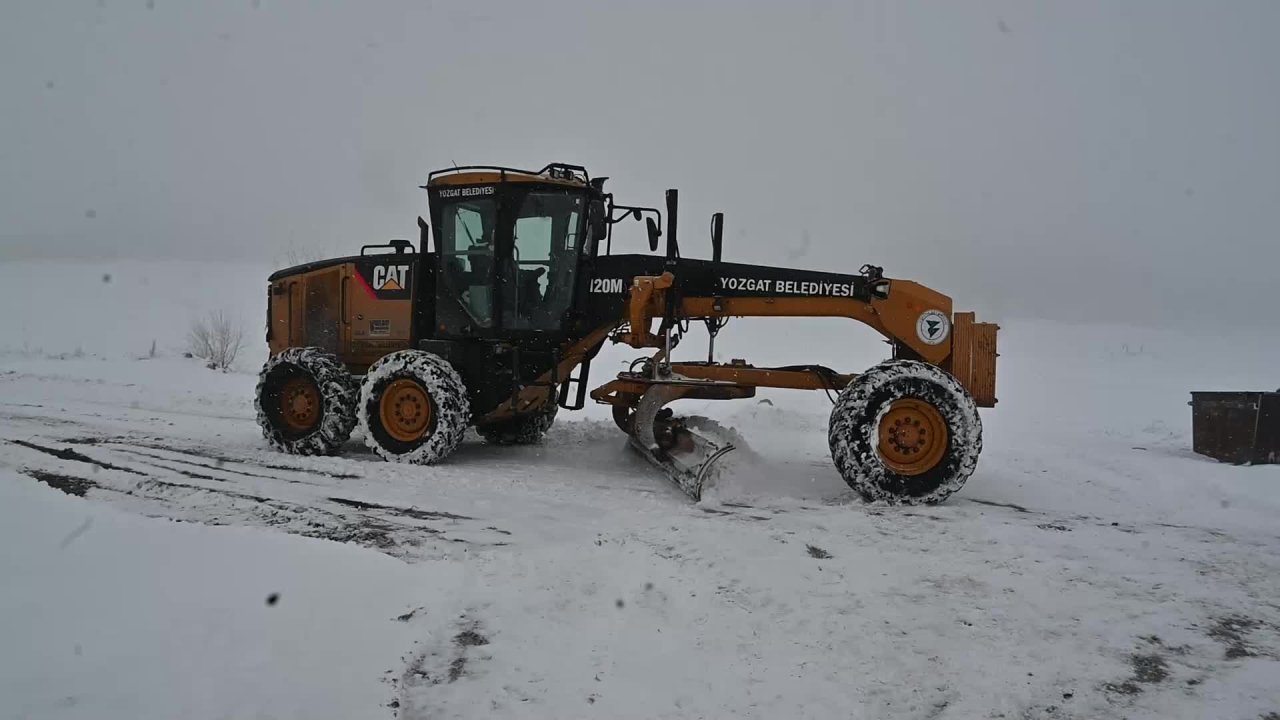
(305, 401)
(524, 430)
(413, 407)
(905, 432)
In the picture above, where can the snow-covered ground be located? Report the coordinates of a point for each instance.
(1093, 567)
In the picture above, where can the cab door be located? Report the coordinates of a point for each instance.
(465, 231)
(539, 275)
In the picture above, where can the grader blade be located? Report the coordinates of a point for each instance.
(686, 454)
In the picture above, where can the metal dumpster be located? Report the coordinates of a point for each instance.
(1242, 428)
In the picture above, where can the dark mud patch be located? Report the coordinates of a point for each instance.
(1207, 531)
(415, 674)
(1232, 631)
(1148, 669)
(406, 512)
(66, 483)
(1120, 528)
(95, 440)
(469, 638)
(409, 615)
(1011, 506)
(933, 518)
(1054, 526)
(937, 708)
(817, 552)
(1125, 688)
(457, 668)
(40, 420)
(72, 455)
(729, 513)
(1172, 649)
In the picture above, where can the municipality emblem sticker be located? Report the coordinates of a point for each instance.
(933, 327)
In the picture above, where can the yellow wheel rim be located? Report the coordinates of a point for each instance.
(299, 404)
(405, 410)
(913, 437)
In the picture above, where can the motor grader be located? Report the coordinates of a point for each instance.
(493, 320)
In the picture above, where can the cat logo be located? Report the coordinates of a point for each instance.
(390, 277)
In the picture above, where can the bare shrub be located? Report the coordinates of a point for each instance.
(301, 254)
(215, 338)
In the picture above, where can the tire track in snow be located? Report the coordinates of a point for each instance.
(403, 532)
(69, 454)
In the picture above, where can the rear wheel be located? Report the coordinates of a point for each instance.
(413, 407)
(523, 430)
(905, 432)
(305, 402)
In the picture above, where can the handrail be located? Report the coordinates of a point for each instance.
(586, 177)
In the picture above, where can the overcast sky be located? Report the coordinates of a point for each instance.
(1078, 160)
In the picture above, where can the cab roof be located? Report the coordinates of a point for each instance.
(555, 173)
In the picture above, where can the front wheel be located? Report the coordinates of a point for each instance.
(905, 432)
(413, 407)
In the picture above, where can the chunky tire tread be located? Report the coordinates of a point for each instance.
(855, 419)
(450, 408)
(337, 395)
(523, 430)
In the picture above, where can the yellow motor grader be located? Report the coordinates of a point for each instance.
(493, 320)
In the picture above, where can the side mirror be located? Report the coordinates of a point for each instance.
(654, 234)
(599, 226)
(717, 236)
(424, 235)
